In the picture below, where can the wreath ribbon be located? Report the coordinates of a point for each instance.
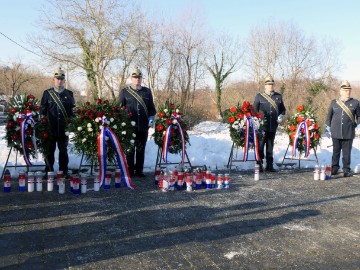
(165, 148)
(120, 156)
(298, 132)
(250, 137)
(27, 119)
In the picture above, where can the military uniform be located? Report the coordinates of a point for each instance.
(270, 114)
(57, 123)
(141, 117)
(342, 131)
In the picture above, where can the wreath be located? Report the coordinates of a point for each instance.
(169, 118)
(303, 130)
(89, 120)
(242, 121)
(26, 130)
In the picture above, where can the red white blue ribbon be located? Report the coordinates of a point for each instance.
(27, 119)
(120, 156)
(165, 149)
(302, 127)
(250, 139)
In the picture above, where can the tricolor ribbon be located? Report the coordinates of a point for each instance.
(120, 156)
(250, 138)
(175, 117)
(27, 119)
(300, 126)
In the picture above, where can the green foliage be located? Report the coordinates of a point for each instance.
(86, 126)
(38, 131)
(170, 115)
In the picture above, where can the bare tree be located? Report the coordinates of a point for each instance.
(223, 58)
(15, 78)
(93, 35)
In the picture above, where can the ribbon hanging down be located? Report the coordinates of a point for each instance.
(250, 139)
(120, 156)
(27, 121)
(302, 127)
(165, 149)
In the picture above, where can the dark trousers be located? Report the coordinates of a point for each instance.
(268, 141)
(140, 144)
(62, 143)
(344, 146)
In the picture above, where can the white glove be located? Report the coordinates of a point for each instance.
(280, 118)
(328, 132)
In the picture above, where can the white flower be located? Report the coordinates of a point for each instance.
(114, 126)
(79, 128)
(165, 110)
(83, 140)
(123, 132)
(123, 124)
(235, 126)
(90, 129)
(132, 141)
(177, 110)
(133, 123)
(89, 125)
(111, 119)
(101, 127)
(134, 135)
(97, 119)
(107, 122)
(164, 132)
(106, 138)
(67, 133)
(174, 121)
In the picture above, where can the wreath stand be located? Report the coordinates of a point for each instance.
(16, 165)
(91, 165)
(159, 162)
(296, 158)
(233, 159)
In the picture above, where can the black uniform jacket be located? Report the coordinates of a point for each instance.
(263, 106)
(50, 109)
(137, 110)
(339, 122)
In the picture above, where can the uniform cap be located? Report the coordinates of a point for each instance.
(136, 72)
(59, 73)
(269, 80)
(345, 85)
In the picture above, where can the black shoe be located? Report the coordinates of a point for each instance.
(261, 167)
(348, 174)
(334, 172)
(271, 169)
(140, 174)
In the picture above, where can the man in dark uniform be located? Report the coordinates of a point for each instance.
(341, 120)
(139, 101)
(270, 104)
(57, 105)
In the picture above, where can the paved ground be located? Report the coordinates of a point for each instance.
(284, 221)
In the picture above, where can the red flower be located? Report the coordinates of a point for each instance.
(244, 109)
(106, 101)
(239, 115)
(168, 121)
(248, 114)
(161, 114)
(98, 101)
(43, 120)
(29, 145)
(115, 108)
(299, 119)
(12, 110)
(99, 114)
(91, 116)
(123, 108)
(45, 134)
(87, 103)
(29, 104)
(231, 119)
(316, 126)
(258, 115)
(308, 123)
(160, 127)
(29, 131)
(37, 108)
(233, 109)
(130, 114)
(172, 106)
(246, 103)
(14, 137)
(292, 136)
(292, 128)
(300, 108)
(316, 136)
(30, 97)
(78, 111)
(10, 124)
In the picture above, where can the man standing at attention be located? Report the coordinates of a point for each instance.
(57, 105)
(341, 120)
(270, 104)
(138, 101)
